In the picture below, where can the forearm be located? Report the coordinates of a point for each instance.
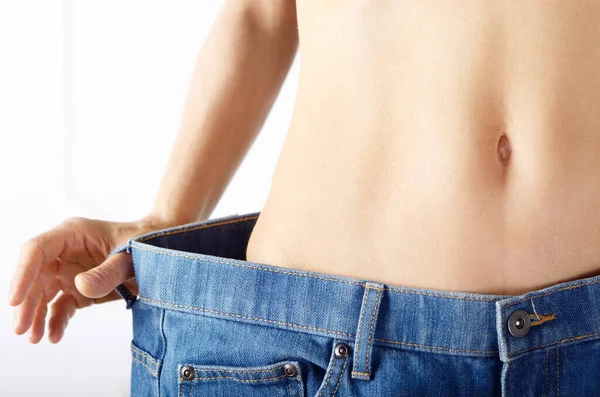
(238, 74)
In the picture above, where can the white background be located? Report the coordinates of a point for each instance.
(91, 94)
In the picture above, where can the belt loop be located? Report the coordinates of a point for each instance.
(365, 334)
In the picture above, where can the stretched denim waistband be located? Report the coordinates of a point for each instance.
(201, 268)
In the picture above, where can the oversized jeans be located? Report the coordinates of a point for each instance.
(209, 323)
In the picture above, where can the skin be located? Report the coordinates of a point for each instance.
(442, 147)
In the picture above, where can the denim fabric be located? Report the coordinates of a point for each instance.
(209, 323)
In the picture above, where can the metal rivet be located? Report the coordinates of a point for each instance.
(519, 323)
(187, 372)
(342, 350)
(290, 370)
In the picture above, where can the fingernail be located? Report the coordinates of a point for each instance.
(89, 279)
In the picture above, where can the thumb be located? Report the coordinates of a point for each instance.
(104, 278)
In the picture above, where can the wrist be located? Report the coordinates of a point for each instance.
(154, 221)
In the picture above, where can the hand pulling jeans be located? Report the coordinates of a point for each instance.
(209, 323)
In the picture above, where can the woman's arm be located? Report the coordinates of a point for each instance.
(238, 74)
(237, 77)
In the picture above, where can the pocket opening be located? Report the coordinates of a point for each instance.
(282, 378)
(144, 358)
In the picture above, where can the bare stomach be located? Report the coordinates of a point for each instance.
(450, 148)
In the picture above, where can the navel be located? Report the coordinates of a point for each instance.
(503, 149)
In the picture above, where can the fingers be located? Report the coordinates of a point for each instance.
(36, 252)
(104, 278)
(62, 310)
(24, 313)
(36, 332)
(114, 295)
(32, 312)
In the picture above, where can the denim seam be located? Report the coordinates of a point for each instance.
(313, 328)
(164, 339)
(362, 310)
(374, 313)
(181, 387)
(137, 351)
(202, 368)
(332, 368)
(547, 383)
(435, 347)
(197, 379)
(340, 378)
(149, 369)
(557, 375)
(551, 292)
(241, 316)
(300, 274)
(228, 263)
(506, 376)
(299, 383)
(193, 228)
(560, 342)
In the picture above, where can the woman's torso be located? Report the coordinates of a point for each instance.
(390, 170)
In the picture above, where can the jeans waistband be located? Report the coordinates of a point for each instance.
(201, 268)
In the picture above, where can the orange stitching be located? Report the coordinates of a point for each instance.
(359, 373)
(547, 384)
(192, 228)
(543, 318)
(506, 374)
(471, 298)
(553, 292)
(435, 347)
(555, 343)
(557, 374)
(332, 368)
(314, 328)
(230, 263)
(235, 379)
(247, 317)
(203, 368)
(138, 351)
(371, 330)
(149, 369)
(340, 378)
(299, 382)
(362, 309)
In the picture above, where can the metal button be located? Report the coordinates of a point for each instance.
(519, 323)
(187, 372)
(290, 370)
(342, 350)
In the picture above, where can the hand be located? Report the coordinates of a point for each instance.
(70, 259)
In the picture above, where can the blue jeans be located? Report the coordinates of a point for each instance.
(209, 323)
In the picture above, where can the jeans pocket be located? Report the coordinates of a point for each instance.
(144, 372)
(278, 379)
